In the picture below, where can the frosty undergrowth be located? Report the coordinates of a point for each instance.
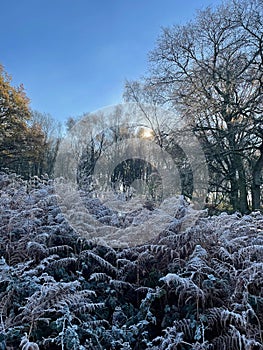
(198, 287)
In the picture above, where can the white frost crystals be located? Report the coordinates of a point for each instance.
(120, 174)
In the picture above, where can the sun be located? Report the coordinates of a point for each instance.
(146, 133)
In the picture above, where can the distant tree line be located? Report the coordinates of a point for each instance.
(209, 72)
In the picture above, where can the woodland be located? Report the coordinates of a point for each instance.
(189, 286)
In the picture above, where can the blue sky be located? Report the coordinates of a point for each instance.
(73, 56)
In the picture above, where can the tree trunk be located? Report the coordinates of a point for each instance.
(256, 182)
(238, 196)
(243, 195)
(234, 192)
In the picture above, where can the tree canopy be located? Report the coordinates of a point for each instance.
(24, 142)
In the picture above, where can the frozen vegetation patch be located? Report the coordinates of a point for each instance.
(189, 287)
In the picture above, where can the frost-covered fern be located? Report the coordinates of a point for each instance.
(198, 287)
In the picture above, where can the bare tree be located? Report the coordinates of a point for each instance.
(211, 71)
(52, 134)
